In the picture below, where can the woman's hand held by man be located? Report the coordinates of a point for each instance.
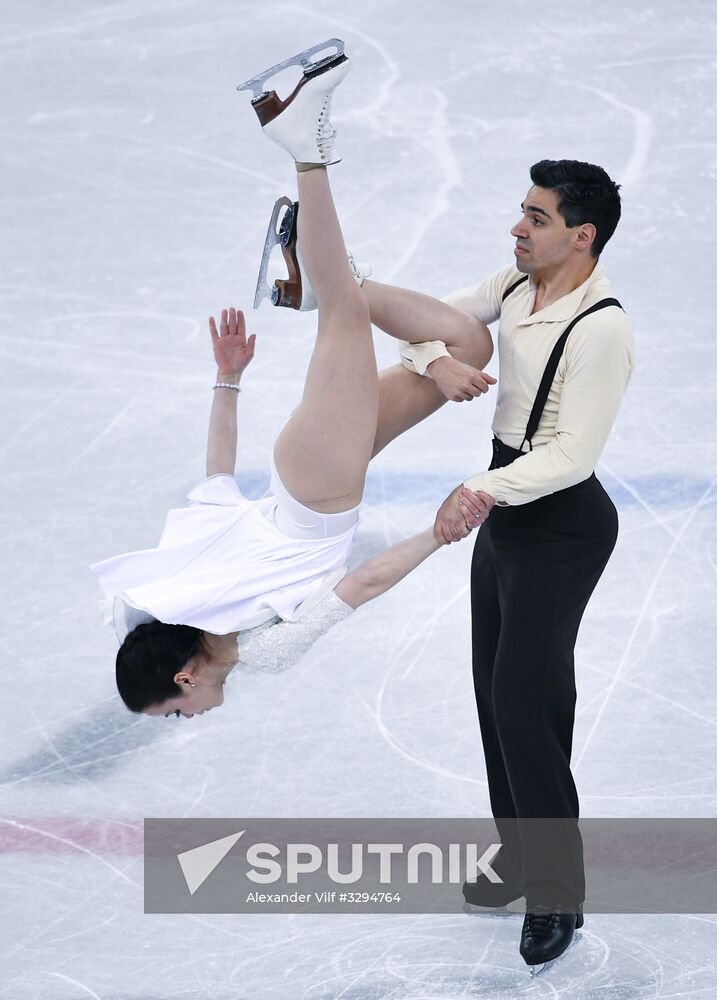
(461, 512)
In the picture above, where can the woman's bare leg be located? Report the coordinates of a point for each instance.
(404, 397)
(324, 449)
(413, 316)
(320, 453)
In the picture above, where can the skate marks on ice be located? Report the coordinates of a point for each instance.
(643, 131)
(383, 90)
(644, 610)
(455, 959)
(422, 959)
(91, 748)
(362, 958)
(647, 603)
(409, 718)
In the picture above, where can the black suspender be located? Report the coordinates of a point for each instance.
(551, 368)
(553, 361)
(512, 288)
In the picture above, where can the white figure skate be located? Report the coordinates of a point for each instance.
(301, 123)
(294, 292)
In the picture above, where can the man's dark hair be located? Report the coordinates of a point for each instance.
(585, 194)
(148, 659)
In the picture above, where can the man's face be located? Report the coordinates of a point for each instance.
(542, 240)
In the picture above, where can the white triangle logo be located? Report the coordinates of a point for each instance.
(199, 863)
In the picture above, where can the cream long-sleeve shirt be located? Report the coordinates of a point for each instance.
(585, 396)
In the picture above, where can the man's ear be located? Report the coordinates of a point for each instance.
(586, 237)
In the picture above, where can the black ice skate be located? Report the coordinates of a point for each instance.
(300, 123)
(548, 932)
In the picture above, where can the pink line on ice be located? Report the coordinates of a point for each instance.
(63, 835)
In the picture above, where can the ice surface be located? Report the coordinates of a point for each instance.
(135, 191)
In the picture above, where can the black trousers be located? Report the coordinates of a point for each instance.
(534, 569)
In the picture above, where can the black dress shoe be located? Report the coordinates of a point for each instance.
(548, 930)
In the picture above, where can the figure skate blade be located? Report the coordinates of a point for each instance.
(303, 59)
(273, 237)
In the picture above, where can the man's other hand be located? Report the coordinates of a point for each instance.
(457, 381)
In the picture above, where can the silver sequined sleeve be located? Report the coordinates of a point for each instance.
(278, 645)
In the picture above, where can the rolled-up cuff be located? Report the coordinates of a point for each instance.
(476, 483)
(482, 482)
(417, 357)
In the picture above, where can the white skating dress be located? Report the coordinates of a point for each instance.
(223, 565)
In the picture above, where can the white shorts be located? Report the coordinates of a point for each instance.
(298, 521)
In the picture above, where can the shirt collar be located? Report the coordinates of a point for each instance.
(567, 306)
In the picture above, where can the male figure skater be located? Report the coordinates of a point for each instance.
(566, 356)
(548, 526)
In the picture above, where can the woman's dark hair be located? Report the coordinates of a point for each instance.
(585, 194)
(148, 659)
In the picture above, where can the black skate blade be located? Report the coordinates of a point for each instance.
(540, 970)
(303, 59)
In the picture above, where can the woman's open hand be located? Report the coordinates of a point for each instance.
(232, 351)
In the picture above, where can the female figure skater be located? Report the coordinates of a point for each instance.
(235, 580)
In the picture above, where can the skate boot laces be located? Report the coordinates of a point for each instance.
(541, 921)
(325, 134)
(359, 270)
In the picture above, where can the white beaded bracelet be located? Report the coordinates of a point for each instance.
(226, 385)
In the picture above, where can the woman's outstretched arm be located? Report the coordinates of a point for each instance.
(232, 353)
(381, 572)
(222, 438)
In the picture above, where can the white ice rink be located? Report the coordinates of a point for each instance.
(136, 187)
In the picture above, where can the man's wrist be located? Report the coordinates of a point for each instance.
(233, 378)
(417, 357)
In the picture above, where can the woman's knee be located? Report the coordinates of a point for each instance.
(346, 306)
(476, 347)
